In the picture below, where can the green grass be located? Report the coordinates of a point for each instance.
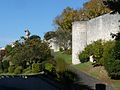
(84, 66)
(66, 57)
(117, 84)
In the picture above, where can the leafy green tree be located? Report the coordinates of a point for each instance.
(114, 5)
(94, 8)
(5, 65)
(63, 26)
(64, 21)
(8, 49)
(35, 37)
(31, 50)
(112, 62)
(49, 35)
(107, 49)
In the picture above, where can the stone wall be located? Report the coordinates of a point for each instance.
(85, 32)
(79, 38)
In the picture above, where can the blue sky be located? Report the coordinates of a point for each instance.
(36, 15)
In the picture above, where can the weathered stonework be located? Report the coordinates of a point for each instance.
(79, 38)
(85, 32)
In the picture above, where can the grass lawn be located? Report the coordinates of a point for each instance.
(96, 72)
(66, 57)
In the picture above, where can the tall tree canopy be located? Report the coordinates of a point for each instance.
(63, 22)
(31, 50)
(95, 8)
(114, 5)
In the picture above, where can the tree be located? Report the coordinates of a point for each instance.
(94, 8)
(114, 5)
(31, 50)
(64, 21)
(63, 38)
(49, 35)
(63, 25)
(8, 49)
(35, 37)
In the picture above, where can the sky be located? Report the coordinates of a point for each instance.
(35, 15)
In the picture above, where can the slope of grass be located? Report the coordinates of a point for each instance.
(96, 72)
(66, 57)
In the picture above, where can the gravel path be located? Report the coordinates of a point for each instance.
(91, 82)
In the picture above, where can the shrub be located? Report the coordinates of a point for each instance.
(107, 48)
(68, 78)
(95, 49)
(112, 60)
(113, 68)
(84, 57)
(69, 51)
(36, 68)
(5, 65)
(61, 49)
(116, 50)
(48, 67)
(27, 69)
(61, 65)
(11, 69)
(1, 68)
(18, 70)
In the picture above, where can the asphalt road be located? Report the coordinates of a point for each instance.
(32, 83)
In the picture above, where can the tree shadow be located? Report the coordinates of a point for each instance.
(78, 87)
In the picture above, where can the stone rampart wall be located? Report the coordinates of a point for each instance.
(85, 32)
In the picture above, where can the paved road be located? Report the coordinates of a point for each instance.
(85, 82)
(32, 83)
(90, 81)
